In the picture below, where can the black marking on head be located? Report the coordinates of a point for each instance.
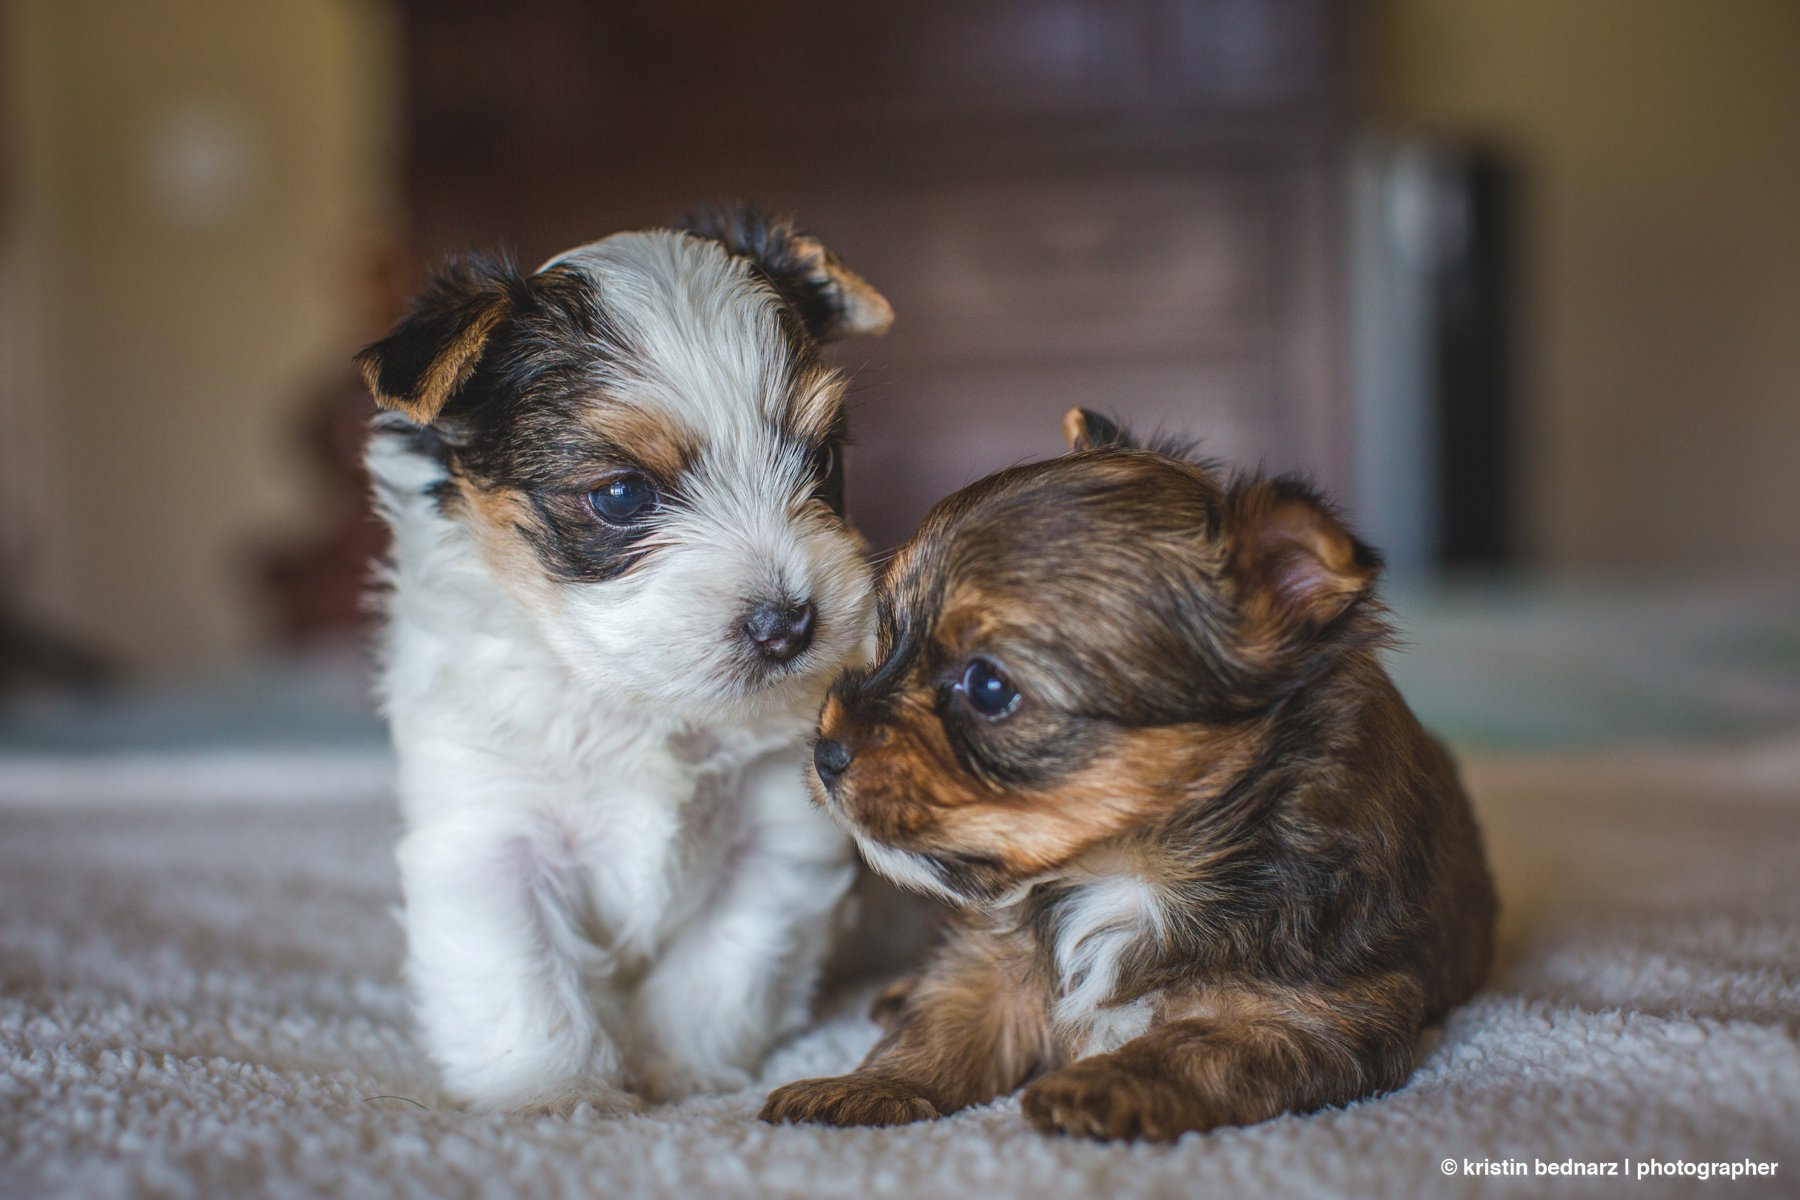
(579, 548)
(522, 420)
(427, 358)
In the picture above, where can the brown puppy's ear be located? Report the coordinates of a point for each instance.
(1085, 429)
(832, 300)
(1296, 565)
(431, 353)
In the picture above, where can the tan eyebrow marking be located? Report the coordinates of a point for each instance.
(815, 399)
(661, 443)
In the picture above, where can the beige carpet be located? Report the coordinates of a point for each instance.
(198, 998)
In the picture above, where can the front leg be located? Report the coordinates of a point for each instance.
(972, 1027)
(1253, 1056)
(742, 972)
(737, 977)
(495, 970)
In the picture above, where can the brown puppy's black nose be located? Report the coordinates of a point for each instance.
(780, 630)
(830, 759)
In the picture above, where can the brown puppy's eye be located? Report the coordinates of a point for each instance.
(987, 690)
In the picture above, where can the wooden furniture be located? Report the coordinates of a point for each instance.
(1128, 204)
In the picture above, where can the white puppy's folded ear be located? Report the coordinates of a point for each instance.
(423, 361)
(832, 300)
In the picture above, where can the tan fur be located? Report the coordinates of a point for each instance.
(817, 404)
(497, 518)
(864, 310)
(1303, 566)
(657, 441)
(448, 372)
(971, 1028)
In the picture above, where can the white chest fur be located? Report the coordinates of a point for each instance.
(1100, 923)
(632, 824)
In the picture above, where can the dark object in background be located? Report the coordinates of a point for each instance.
(317, 587)
(1433, 240)
(1473, 353)
(35, 657)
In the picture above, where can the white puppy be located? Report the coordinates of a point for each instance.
(621, 580)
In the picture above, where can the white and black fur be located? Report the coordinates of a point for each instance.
(615, 884)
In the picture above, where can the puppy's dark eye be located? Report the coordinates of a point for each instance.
(624, 499)
(987, 689)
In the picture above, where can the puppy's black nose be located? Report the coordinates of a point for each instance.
(780, 630)
(831, 759)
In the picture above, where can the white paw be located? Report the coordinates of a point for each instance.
(667, 1082)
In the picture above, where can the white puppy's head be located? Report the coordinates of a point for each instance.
(645, 445)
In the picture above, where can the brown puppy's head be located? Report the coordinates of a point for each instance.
(1070, 650)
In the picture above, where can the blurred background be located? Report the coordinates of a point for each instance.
(1518, 280)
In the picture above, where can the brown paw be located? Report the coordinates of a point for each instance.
(847, 1100)
(890, 1000)
(1097, 1099)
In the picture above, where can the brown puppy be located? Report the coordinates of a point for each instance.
(1130, 719)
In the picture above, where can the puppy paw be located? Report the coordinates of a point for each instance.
(1093, 1098)
(847, 1100)
(668, 1082)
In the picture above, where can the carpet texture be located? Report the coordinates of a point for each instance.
(201, 999)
